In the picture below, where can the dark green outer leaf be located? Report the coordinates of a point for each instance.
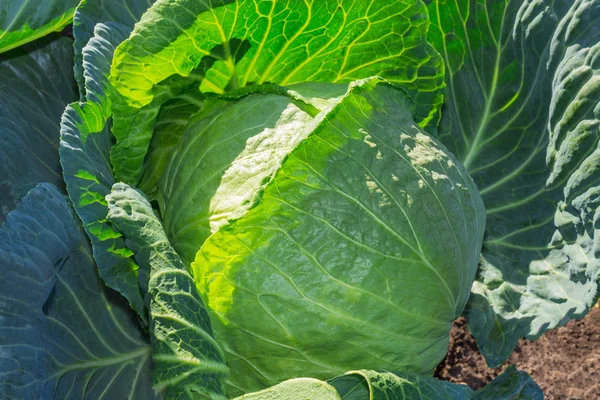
(22, 21)
(64, 335)
(523, 115)
(287, 42)
(35, 86)
(84, 148)
(90, 13)
(84, 153)
(97, 56)
(187, 361)
(510, 385)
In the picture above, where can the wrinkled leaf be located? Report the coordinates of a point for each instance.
(372, 385)
(84, 154)
(97, 57)
(295, 389)
(287, 42)
(91, 13)
(84, 148)
(523, 115)
(187, 360)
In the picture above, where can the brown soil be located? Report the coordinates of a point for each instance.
(565, 362)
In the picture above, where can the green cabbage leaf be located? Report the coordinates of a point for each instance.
(86, 139)
(120, 14)
(84, 154)
(64, 335)
(22, 21)
(522, 113)
(35, 86)
(187, 361)
(216, 46)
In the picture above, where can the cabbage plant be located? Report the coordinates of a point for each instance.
(291, 199)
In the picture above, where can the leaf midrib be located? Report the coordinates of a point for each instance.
(484, 122)
(105, 362)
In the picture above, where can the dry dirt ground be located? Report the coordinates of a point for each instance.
(565, 362)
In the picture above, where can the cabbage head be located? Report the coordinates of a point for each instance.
(328, 232)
